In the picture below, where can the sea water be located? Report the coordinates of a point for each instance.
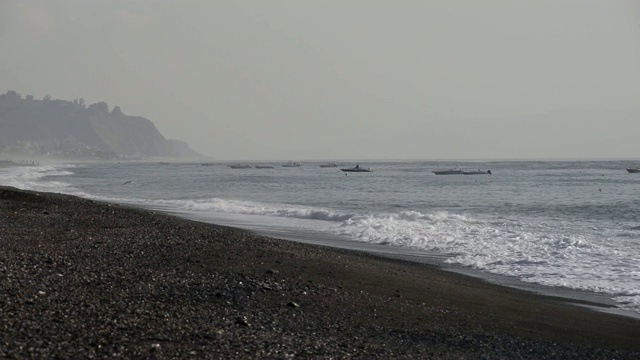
(565, 224)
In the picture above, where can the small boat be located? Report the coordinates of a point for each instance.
(476, 172)
(264, 167)
(240, 166)
(356, 168)
(328, 165)
(448, 172)
(207, 164)
(633, 171)
(291, 164)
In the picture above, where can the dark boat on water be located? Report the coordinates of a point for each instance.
(448, 172)
(477, 172)
(633, 171)
(357, 168)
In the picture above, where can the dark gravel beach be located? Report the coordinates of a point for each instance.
(84, 279)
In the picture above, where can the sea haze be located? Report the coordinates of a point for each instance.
(565, 224)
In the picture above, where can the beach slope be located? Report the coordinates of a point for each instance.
(80, 279)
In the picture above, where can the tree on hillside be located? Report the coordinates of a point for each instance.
(12, 95)
(101, 107)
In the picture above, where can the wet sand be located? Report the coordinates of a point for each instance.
(80, 279)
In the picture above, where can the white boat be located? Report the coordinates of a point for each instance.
(291, 164)
(328, 165)
(476, 172)
(448, 172)
(240, 166)
(357, 168)
(264, 167)
(633, 171)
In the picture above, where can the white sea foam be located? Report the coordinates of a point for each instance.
(532, 251)
(29, 177)
(254, 208)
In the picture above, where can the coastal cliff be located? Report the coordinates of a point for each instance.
(72, 129)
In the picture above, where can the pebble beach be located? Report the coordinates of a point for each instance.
(86, 279)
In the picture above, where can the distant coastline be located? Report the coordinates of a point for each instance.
(72, 129)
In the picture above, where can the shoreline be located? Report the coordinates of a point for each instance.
(85, 278)
(597, 301)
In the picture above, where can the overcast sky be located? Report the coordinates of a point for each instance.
(344, 79)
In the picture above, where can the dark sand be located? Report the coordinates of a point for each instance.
(82, 279)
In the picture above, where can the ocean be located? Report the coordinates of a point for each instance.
(566, 225)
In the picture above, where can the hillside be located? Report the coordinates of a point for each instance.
(72, 129)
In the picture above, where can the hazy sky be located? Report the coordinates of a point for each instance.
(344, 79)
